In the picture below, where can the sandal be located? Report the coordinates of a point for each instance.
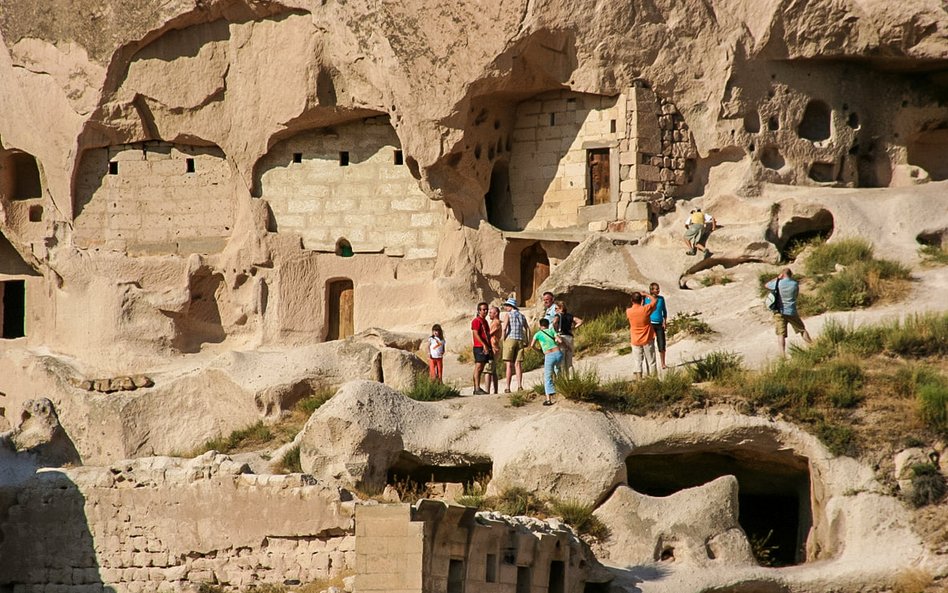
(506, 391)
(547, 403)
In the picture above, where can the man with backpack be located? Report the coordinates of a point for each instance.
(782, 300)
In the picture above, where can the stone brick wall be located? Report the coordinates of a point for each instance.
(143, 199)
(389, 549)
(373, 202)
(548, 157)
(160, 525)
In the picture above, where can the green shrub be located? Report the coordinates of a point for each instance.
(581, 384)
(653, 393)
(598, 333)
(517, 501)
(825, 256)
(716, 366)
(520, 398)
(932, 398)
(924, 334)
(425, 389)
(290, 463)
(580, 517)
(844, 380)
(928, 485)
(688, 324)
(839, 439)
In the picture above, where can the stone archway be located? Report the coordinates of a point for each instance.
(340, 309)
(534, 270)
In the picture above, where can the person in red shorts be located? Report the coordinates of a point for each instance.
(480, 336)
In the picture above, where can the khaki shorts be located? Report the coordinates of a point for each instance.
(781, 321)
(513, 350)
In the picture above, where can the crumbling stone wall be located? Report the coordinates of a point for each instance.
(159, 524)
(350, 182)
(154, 198)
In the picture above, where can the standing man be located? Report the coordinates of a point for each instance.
(549, 307)
(658, 319)
(480, 335)
(515, 337)
(642, 335)
(787, 290)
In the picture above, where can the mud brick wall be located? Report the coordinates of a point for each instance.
(162, 529)
(154, 198)
(350, 182)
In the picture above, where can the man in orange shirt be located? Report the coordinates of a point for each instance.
(642, 334)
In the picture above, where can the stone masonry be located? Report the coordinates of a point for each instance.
(163, 524)
(154, 198)
(350, 182)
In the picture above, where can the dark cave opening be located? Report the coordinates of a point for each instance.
(774, 492)
(409, 468)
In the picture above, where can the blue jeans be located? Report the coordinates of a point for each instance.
(551, 365)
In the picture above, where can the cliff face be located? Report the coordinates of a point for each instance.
(107, 104)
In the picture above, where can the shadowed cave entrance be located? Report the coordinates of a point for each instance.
(774, 491)
(411, 472)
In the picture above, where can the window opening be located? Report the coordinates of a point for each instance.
(612, 126)
(399, 159)
(26, 180)
(36, 213)
(491, 576)
(113, 168)
(343, 248)
(344, 158)
(189, 165)
(297, 157)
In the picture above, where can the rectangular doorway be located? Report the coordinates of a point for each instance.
(597, 175)
(456, 576)
(14, 309)
(341, 309)
(557, 577)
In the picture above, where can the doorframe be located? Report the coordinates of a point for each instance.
(613, 167)
(328, 308)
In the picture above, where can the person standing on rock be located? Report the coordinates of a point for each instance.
(564, 323)
(480, 335)
(642, 335)
(549, 344)
(514, 331)
(787, 289)
(494, 328)
(658, 319)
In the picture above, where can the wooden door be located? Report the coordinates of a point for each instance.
(534, 270)
(598, 175)
(341, 310)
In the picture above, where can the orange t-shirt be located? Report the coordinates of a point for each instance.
(640, 327)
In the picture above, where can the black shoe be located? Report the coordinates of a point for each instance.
(692, 252)
(479, 391)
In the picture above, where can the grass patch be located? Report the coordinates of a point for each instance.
(933, 255)
(598, 334)
(580, 385)
(861, 282)
(688, 324)
(580, 517)
(718, 366)
(244, 439)
(654, 393)
(519, 399)
(932, 398)
(425, 389)
(716, 279)
(290, 464)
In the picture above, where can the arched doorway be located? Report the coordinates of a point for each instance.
(340, 309)
(534, 270)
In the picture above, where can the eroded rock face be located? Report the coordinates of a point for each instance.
(368, 433)
(41, 436)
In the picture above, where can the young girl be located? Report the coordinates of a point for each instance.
(436, 353)
(552, 357)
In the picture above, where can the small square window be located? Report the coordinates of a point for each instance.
(113, 168)
(399, 158)
(297, 157)
(189, 165)
(344, 158)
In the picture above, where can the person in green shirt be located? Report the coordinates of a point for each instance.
(546, 339)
